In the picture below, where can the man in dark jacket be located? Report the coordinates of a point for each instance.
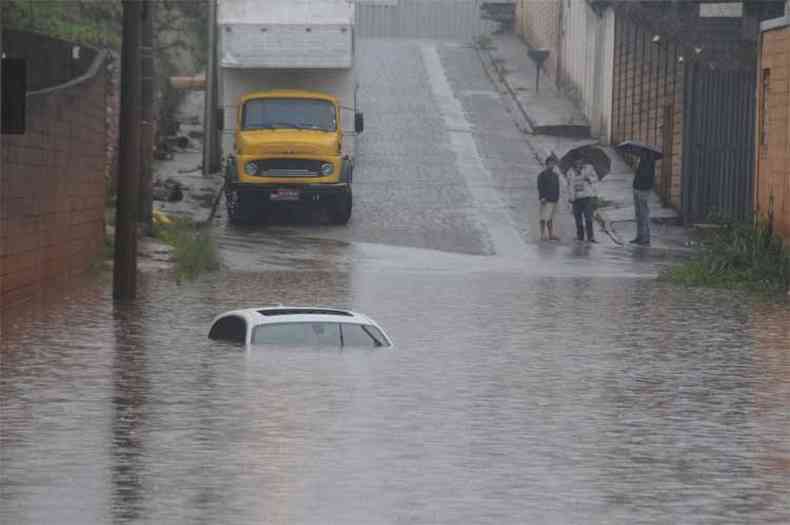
(644, 182)
(549, 194)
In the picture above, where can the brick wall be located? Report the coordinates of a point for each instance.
(538, 23)
(52, 189)
(648, 79)
(772, 188)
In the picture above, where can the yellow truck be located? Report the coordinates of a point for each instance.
(288, 88)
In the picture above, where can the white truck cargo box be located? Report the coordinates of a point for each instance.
(296, 34)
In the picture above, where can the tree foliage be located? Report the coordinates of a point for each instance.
(180, 24)
(90, 22)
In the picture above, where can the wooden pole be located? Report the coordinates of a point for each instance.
(147, 133)
(125, 269)
(210, 134)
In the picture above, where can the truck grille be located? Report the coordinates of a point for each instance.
(289, 168)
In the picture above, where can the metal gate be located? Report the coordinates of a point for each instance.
(445, 19)
(718, 144)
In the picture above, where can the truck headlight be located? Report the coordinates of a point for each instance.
(251, 168)
(327, 168)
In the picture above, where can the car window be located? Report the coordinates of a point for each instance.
(229, 328)
(362, 336)
(274, 113)
(297, 334)
(375, 332)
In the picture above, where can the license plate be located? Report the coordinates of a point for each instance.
(284, 195)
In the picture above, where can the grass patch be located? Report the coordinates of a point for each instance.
(195, 251)
(736, 256)
(485, 42)
(600, 202)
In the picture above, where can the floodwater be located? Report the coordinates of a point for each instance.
(553, 383)
(510, 397)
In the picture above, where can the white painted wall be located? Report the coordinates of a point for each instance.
(587, 58)
(285, 11)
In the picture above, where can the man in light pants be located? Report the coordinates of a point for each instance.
(644, 182)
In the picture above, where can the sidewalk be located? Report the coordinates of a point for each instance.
(552, 123)
(185, 169)
(547, 112)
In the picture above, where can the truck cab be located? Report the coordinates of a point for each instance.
(288, 88)
(288, 151)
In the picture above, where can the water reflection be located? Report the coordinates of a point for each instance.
(129, 405)
(508, 399)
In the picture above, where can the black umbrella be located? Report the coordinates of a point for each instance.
(589, 154)
(632, 147)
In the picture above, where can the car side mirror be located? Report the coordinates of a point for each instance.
(359, 122)
(220, 119)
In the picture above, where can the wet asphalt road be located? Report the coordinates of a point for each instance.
(531, 383)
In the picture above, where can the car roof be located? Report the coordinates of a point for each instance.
(296, 314)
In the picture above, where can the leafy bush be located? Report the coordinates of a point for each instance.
(195, 250)
(736, 255)
(599, 203)
(91, 22)
(485, 42)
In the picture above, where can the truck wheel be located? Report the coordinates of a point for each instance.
(340, 212)
(238, 207)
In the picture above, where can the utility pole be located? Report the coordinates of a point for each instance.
(210, 131)
(147, 134)
(125, 269)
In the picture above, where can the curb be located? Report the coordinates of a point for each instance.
(578, 131)
(503, 80)
(497, 78)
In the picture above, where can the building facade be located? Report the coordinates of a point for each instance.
(677, 75)
(580, 38)
(52, 184)
(772, 187)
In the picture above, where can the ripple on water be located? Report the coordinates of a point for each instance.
(508, 399)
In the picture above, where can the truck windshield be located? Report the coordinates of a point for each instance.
(289, 113)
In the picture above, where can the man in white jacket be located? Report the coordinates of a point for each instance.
(581, 190)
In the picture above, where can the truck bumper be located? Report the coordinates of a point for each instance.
(292, 194)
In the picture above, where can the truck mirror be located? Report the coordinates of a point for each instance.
(359, 122)
(14, 88)
(220, 119)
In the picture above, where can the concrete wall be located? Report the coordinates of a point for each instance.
(586, 60)
(647, 105)
(445, 19)
(581, 42)
(772, 187)
(538, 23)
(52, 186)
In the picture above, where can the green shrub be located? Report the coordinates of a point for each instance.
(485, 42)
(736, 255)
(195, 251)
(600, 202)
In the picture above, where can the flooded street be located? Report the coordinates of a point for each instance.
(508, 399)
(540, 383)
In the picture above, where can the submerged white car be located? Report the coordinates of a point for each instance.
(299, 326)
